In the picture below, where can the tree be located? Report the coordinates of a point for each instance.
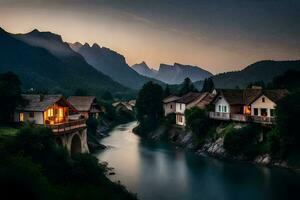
(197, 121)
(208, 85)
(149, 106)
(187, 86)
(287, 121)
(80, 92)
(10, 90)
(107, 96)
(167, 91)
(289, 80)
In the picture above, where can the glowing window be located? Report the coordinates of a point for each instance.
(61, 112)
(21, 116)
(50, 112)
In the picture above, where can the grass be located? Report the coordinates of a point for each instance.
(6, 130)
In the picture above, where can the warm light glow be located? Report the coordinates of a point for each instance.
(21, 117)
(247, 110)
(60, 112)
(50, 112)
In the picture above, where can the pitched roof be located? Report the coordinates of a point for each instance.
(248, 96)
(206, 100)
(81, 103)
(38, 102)
(273, 95)
(189, 97)
(126, 105)
(170, 98)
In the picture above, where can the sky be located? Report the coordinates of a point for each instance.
(217, 35)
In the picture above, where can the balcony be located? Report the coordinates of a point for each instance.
(263, 119)
(219, 116)
(239, 117)
(67, 127)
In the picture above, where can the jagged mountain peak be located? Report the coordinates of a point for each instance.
(95, 45)
(45, 35)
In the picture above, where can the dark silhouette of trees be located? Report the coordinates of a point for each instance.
(10, 90)
(208, 85)
(187, 86)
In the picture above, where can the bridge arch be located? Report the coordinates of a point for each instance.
(76, 144)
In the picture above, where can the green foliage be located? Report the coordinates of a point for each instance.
(208, 85)
(287, 121)
(289, 80)
(107, 96)
(167, 91)
(243, 141)
(257, 83)
(80, 92)
(197, 121)
(92, 125)
(10, 90)
(149, 107)
(187, 86)
(33, 165)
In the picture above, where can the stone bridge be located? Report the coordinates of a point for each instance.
(72, 136)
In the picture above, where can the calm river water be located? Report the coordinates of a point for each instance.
(157, 171)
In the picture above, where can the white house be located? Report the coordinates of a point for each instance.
(170, 104)
(190, 100)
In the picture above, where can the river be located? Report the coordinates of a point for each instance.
(158, 171)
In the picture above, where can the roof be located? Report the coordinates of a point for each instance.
(248, 96)
(81, 103)
(206, 100)
(39, 103)
(171, 98)
(189, 97)
(273, 95)
(124, 105)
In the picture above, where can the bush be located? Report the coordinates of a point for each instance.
(197, 121)
(243, 141)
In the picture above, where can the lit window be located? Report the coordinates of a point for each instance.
(50, 112)
(21, 116)
(61, 112)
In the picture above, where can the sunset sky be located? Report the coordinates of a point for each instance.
(215, 35)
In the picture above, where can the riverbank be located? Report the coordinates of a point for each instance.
(213, 145)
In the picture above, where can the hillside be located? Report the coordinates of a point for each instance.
(260, 71)
(40, 69)
(112, 64)
(173, 74)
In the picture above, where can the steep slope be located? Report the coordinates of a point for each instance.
(143, 69)
(175, 74)
(38, 68)
(260, 71)
(112, 64)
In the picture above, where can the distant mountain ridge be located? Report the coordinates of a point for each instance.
(112, 64)
(41, 65)
(260, 71)
(173, 74)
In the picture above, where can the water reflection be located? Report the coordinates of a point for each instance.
(160, 171)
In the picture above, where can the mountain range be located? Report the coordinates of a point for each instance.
(43, 61)
(262, 71)
(112, 64)
(173, 74)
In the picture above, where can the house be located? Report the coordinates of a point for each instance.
(191, 99)
(244, 105)
(263, 106)
(87, 106)
(43, 109)
(124, 106)
(170, 104)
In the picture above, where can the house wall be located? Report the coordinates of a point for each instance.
(259, 104)
(221, 105)
(38, 117)
(169, 108)
(180, 108)
(180, 119)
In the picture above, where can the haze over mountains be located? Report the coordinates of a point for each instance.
(173, 74)
(112, 64)
(44, 61)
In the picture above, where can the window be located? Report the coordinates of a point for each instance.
(180, 106)
(263, 99)
(31, 114)
(220, 109)
(263, 112)
(256, 111)
(21, 117)
(61, 112)
(171, 106)
(50, 112)
(272, 112)
(225, 109)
